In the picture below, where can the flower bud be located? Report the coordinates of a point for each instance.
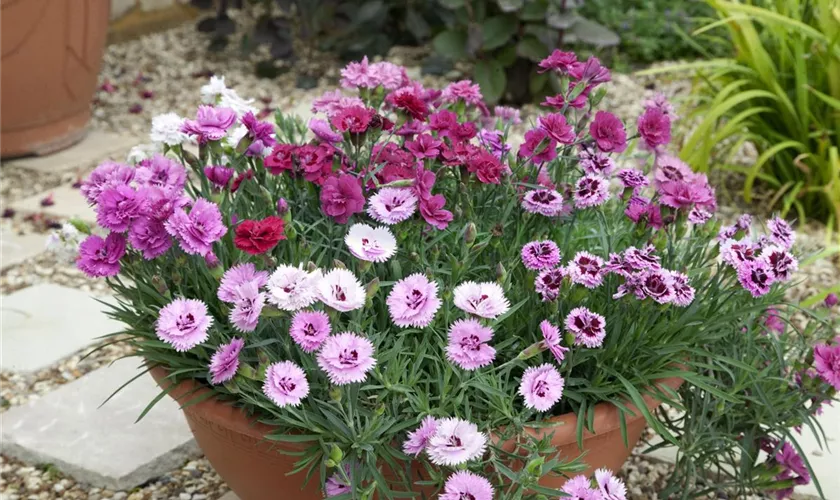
(470, 234)
(371, 288)
(336, 455)
(282, 206)
(338, 264)
(247, 371)
(531, 351)
(501, 274)
(80, 225)
(311, 267)
(335, 394)
(830, 300)
(231, 386)
(534, 467)
(159, 284)
(569, 338)
(330, 464)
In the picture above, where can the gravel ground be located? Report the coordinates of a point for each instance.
(163, 72)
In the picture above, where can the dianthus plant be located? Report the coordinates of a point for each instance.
(401, 281)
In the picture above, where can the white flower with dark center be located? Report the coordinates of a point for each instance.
(371, 244)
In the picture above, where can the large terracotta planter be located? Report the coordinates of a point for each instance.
(51, 55)
(255, 469)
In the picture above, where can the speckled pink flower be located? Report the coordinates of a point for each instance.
(413, 301)
(548, 283)
(658, 284)
(541, 387)
(336, 485)
(346, 358)
(586, 269)
(418, 439)
(239, 275)
(285, 384)
(781, 233)
(580, 488)
(551, 340)
(485, 299)
(456, 442)
(538, 255)
(392, 205)
(225, 361)
(468, 347)
(683, 292)
(247, 308)
(309, 329)
(466, 485)
(183, 323)
(589, 327)
(827, 363)
(546, 202)
(590, 191)
(197, 230)
(611, 487)
(781, 262)
(755, 276)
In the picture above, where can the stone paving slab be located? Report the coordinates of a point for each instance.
(15, 248)
(95, 147)
(44, 323)
(229, 496)
(68, 203)
(103, 446)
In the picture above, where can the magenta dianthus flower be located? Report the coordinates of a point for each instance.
(99, 258)
(781, 262)
(755, 276)
(346, 358)
(197, 231)
(548, 283)
(541, 387)
(538, 255)
(595, 162)
(466, 485)
(433, 212)
(392, 205)
(413, 301)
(341, 197)
(358, 74)
(218, 175)
(589, 327)
(683, 292)
(107, 174)
(699, 216)
(655, 128)
(468, 347)
(559, 61)
(586, 269)
(418, 439)
(781, 233)
(464, 90)
(539, 147)
(736, 252)
(324, 132)
(455, 442)
(632, 178)
(555, 125)
(161, 172)
(285, 384)
(608, 132)
(148, 235)
(591, 190)
(486, 299)
(546, 202)
(309, 329)
(827, 363)
(225, 361)
(210, 124)
(183, 323)
(658, 284)
(424, 146)
(551, 340)
(117, 207)
(237, 276)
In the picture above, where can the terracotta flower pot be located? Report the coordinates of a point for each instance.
(51, 55)
(255, 469)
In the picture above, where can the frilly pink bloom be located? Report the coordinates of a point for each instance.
(608, 132)
(225, 361)
(539, 147)
(559, 101)
(331, 103)
(388, 75)
(660, 102)
(392, 205)
(183, 323)
(117, 207)
(555, 125)
(197, 231)
(210, 124)
(551, 340)
(466, 485)
(464, 90)
(596, 163)
(827, 363)
(433, 212)
(683, 292)
(756, 277)
(782, 263)
(218, 175)
(249, 304)
(106, 175)
(736, 252)
(237, 276)
(632, 178)
(468, 347)
(590, 72)
(685, 195)
(413, 301)
(418, 439)
(541, 387)
(548, 283)
(148, 235)
(699, 216)
(99, 258)
(538, 255)
(547, 202)
(354, 119)
(358, 74)
(781, 233)
(456, 442)
(658, 284)
(586, 269)
(341, 197)
(161, 172)
(309, 329)
(285, 384)
(424, 146)
(655, 128)
(346, 358)
(589, 327)
(324, 132)
(559, 61)
(507, 115)
(579, 488)
(486, 299)
(611, 487)
(670, 168)
(591, 190)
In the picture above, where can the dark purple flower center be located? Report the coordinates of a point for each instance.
(588, 187)
(671, 173)
(656, 286)
(760, 277)
(540, 388)
(349, 357)
(339, 294)
(455, 442)
(286, 385)
(544, 197)
(186, 322)
(588, 266)
(415, 299)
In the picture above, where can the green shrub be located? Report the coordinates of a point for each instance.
(780, 90)
(507, 38)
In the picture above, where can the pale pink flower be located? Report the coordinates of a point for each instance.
(611, 487)
(589, 327)
(413, 301)
(586, 269)
(468, 347)
(392, 205)
(485, 299)
(755, 276)
(418, 439)
(239, 275)
(346, 358)
(183, 323)
(466, 485)
(546, 202)
(464, 90)
(285, 384)
(371, 244)
(683, 292)
(309, 329)
(341, 290)
(455, 442)
(541, 387)
(225, 361)
(291, 288)
(551, 340)
(248, 306)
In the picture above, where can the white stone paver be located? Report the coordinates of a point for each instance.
(229, 496)
(103, 446)
(15, 248)
(68, 202)
(45, 323)
(95, 147)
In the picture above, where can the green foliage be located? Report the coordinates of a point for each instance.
(779, 89)
(506, 38)
(654, 30)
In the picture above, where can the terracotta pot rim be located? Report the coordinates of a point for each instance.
(214, 408)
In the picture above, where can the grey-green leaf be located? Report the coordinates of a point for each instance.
(497, 31)
(590, 32)
(491, 78)
(451, 44)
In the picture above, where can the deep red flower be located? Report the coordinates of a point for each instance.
(409, 103)
(249, 174)
(281, 159)
(354, 119)
(259, 236)
(486, 167)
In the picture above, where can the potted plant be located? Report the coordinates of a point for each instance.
(402, 303)
(52, 52)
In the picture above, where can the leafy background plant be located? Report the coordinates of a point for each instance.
(780, 90)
